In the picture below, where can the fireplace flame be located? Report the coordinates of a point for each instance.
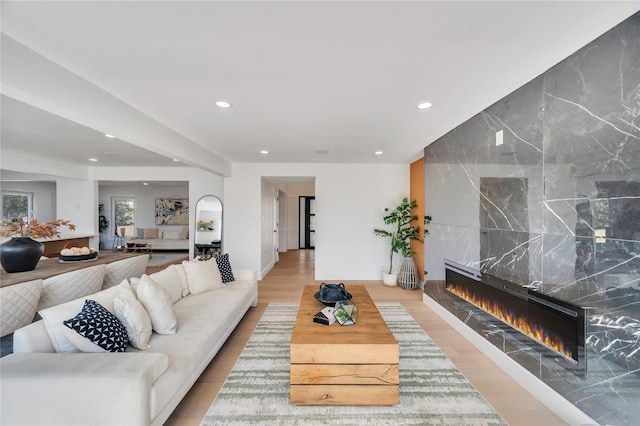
(516, 320)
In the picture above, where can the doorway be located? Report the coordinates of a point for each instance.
(307, 222)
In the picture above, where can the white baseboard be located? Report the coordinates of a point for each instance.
(555, 402)
(266, 270)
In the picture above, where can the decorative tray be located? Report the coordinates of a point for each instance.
(81, 258)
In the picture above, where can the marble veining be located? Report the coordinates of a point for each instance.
(556, 206)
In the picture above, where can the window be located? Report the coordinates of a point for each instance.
(124, 215)
(16, 206)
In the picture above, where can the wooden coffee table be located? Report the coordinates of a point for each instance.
(343, 365)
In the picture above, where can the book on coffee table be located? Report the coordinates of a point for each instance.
(325, 316)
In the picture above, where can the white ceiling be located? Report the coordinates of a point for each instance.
(32, 130)
(341, 77)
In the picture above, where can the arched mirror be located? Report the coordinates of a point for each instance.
(208, 232)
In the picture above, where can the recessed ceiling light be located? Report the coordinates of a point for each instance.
(379, 153)
(264, 152)
(176, 160)
(109, 136)
(93, 159)
(424, 105)
(145, 183)
(223, 104)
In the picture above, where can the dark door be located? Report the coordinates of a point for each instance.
(307, 239)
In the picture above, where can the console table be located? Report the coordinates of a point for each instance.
(48, 268)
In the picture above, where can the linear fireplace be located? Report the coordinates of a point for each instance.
(555, 323)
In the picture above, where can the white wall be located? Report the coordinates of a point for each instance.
(350, 203)
(293, 192)
(267, 253)
(200, 183)
(76, 202)
(44, 197)
(145, 197)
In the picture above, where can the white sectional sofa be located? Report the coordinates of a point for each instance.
(136, 387)
(166, 240)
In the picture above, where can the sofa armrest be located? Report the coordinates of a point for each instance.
(244, 274)
(79, 388)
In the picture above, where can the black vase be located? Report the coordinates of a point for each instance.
(20, 254)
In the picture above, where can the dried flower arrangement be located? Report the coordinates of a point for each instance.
(34, 229)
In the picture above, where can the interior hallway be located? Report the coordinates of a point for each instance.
(284, 283)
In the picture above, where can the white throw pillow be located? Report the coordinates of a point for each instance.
(169, 279)
(183, 280)
(132, 315)
(134, 282)
(170, 235)
(202, 276)
(55, 315)
(157, 302)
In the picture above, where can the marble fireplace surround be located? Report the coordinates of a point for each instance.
(542, 189)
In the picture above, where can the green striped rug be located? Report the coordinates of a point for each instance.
(432, 390)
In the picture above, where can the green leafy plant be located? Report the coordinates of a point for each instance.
(103, 223)
(404, 233)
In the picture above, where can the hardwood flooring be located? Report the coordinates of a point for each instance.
(285, 282)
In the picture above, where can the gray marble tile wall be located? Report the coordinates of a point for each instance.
(556, 206)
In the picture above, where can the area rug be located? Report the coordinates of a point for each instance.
(166, 258)
(432, 390)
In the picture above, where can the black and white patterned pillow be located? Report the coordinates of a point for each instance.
(225, 268)
(95, 323)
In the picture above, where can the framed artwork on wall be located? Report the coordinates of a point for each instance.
(172, 211)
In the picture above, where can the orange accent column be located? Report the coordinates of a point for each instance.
(416, 192)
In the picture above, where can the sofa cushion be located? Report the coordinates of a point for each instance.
(171, 235)
(98, 330)
(183, 279)
(203, 330)
(169, 279)
(18, 304)
(202, 276)
(71, 285)
(225, 268)
(133, 316)
(124, 269)
(55, 315)
(150, 233)
(157, 303)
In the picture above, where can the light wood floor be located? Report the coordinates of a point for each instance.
(284, 284)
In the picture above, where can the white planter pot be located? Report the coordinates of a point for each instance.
(390, 280)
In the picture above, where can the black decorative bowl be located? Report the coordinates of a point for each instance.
(329, 294)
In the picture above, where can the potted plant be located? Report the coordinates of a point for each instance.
(402, 236)
(22, 253)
